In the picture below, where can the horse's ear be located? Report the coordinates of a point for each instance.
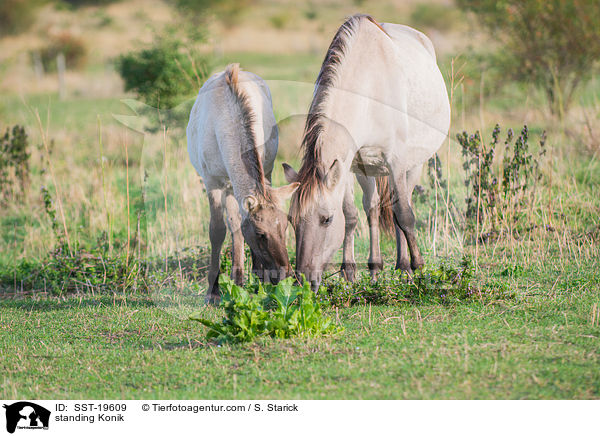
(250, 203)
(285, 192)
(333, 175)
(290, 174)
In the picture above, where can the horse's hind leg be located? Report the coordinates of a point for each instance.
(217, 231)
(351, 218)
(370, 203)
(403, 259)
(234, 222)
(404, 183)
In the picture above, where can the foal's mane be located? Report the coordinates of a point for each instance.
(312, 173)
(249, 152)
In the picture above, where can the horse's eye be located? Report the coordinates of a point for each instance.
(326, 220)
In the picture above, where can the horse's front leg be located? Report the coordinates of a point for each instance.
(371, 204)
(351, 218)
(217, 234)
(234, 221)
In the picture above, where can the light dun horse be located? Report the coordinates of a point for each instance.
(380, 108)
(232, 142)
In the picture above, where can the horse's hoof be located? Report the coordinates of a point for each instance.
(417, 264)
(212, 299)
(404, 266)
(349, 271)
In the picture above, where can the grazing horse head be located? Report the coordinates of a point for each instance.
(264, 225)
(317, 215)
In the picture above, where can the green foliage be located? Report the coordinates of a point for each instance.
(432, 15)
(76, 270)
(494, 199)
(554, 44)
(163, 75)
(279, 311)
(14, 163)
(227, 11)
(71, 46)
(445, 283)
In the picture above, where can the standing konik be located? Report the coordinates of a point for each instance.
(380, 109)
(232, 142)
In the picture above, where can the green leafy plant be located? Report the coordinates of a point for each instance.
(506, 199)
(441, 284)
(279, 311)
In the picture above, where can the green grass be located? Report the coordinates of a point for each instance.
(543, 342)
(128, 348)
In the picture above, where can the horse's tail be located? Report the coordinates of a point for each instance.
(386, 213)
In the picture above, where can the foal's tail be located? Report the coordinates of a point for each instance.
(386, 213)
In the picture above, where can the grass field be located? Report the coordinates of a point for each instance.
(135, 218)
(125, 347)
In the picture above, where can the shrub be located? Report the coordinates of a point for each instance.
(162, 75)
(71, 46)
(14, 163)
(279, 311)
(506, 198)
(554, 44)
(444, 283)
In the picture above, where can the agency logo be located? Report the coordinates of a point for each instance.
(26, 415)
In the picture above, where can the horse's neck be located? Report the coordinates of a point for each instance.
(353, 90)
(233, 145)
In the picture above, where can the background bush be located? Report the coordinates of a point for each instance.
(543, 46)
(163, 75)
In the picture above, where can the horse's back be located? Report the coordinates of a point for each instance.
(201, 128)
(426, 107)
(212, 119)
(401, 34)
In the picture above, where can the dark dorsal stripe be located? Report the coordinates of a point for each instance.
(249, 151)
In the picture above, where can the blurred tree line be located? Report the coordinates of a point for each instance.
(554, 44)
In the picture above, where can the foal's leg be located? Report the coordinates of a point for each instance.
(217, 231)
(404, 215)
(258, 269)
(351, 218)
(234, 222)
(402, 258)
(370, 202)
